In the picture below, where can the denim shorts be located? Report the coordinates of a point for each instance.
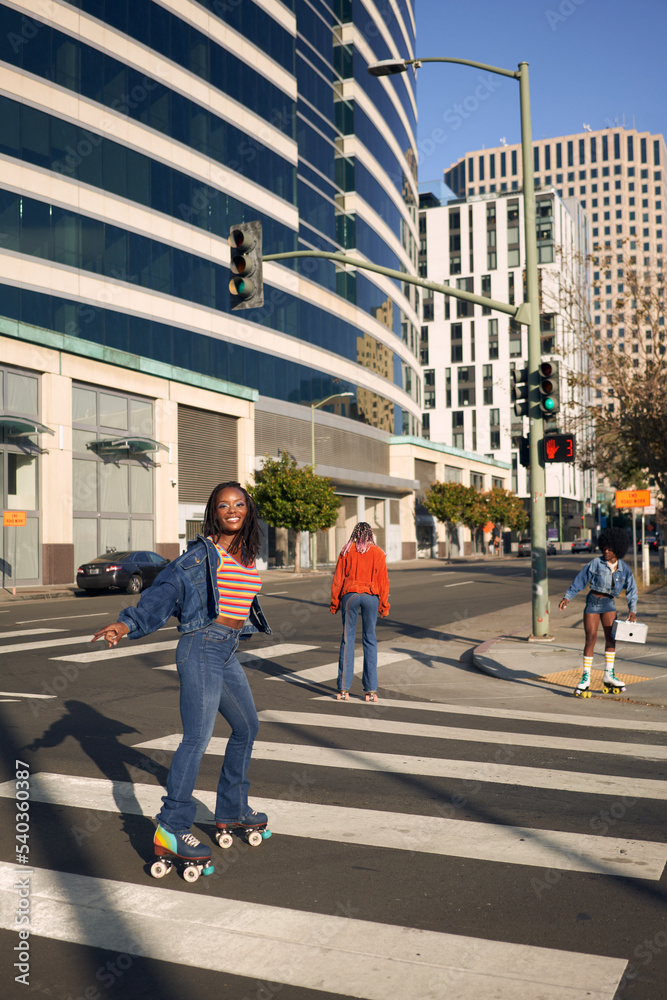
(599, 605)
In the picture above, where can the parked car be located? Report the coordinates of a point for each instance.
(130, 571)
(653, 542)
(525, 550)
(582, 545)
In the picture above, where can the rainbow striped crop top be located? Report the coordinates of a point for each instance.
(237, 585)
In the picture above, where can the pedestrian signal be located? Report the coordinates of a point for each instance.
(559, 448)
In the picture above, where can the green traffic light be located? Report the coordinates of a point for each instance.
(548, 404)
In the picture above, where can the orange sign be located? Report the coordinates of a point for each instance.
(489, 526)
(632, 498)
(14, 518)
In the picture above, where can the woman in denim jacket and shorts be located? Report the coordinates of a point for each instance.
(211, 589)
(607, 577)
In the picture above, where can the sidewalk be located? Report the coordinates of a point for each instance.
(643, 668)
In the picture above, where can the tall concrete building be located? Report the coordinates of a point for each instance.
(619, 177)
(468, 352)
(133, 134)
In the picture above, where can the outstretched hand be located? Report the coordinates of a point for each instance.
(113, 633)
(563, 604)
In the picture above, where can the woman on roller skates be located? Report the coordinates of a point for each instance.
(607, 576)
(360, 583)
(212, 590)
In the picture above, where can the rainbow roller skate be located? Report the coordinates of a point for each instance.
(252, 828)
(182, 850)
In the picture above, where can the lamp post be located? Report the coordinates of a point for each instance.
(538, 531)
(313, 407)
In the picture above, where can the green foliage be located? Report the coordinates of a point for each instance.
(454, 503)
(291, 497)
(505, 508)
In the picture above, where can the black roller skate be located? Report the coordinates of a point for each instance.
(582, 689)
(252, 828)
(183, 850)
(611, 683)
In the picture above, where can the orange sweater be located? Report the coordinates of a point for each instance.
(361, 573)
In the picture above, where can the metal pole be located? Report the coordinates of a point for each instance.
(538, 528)
(634, 541)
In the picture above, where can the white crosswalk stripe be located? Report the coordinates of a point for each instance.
(639, 751)
(336, 953)
(397, 831)
(504, 774)
(341, 954)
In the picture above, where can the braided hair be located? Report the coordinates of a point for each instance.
(615, 539)
(362, 538)
(247, 542)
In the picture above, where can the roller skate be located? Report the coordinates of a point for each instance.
(343, 696)
(582, 689)
(611, 683)
(252, 828)
(183, 850)
(371, 696)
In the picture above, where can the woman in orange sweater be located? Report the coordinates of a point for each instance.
(360, 583)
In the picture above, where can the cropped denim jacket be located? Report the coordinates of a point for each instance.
(186, 589)
(598, 573)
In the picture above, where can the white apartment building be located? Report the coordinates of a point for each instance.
(467, 351)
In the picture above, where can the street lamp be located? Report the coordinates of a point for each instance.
(313, 407)
(538, 530)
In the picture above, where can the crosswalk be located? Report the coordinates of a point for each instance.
(534, 755)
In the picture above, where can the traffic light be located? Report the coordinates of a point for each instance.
(549, 388)
(559, 448)
(519, 381)
(246, 286)
(524, 452)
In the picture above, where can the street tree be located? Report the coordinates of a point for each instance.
(505, 509)
(289, 496)
(454, 503)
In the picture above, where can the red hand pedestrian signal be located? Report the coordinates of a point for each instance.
(551, 449)
(559, 448)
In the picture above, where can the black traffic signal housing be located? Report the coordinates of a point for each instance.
(520, 389)
(246, 286)
(549, 386)
(524, 452)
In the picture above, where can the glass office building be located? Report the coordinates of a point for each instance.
(133, 134)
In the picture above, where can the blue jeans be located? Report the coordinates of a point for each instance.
(212, 681)
(350, 606)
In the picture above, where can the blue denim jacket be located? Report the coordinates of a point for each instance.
(187, 589)
(598, 573)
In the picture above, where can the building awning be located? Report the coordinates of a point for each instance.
(133, 445)
(22, 426)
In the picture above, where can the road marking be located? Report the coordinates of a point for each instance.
(31, 631)
(589, 721)
(461, 584)
(60, 618)
(330, 670)
(443, 836)
(638, 751)
(102, 652)
(275, 593)
(252, 660)
(23, 694)
(22, 647)
(343, 956)
(435, 767)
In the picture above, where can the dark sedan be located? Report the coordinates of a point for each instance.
(582, 545)
(130, 571)
(525, 548)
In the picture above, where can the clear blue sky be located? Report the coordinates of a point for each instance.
(591, 61)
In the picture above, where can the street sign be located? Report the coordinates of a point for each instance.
(632, 498)
(14, 518)
(559, 447)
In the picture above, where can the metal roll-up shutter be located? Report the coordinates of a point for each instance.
(207, 452)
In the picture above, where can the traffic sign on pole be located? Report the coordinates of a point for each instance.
(632, 498)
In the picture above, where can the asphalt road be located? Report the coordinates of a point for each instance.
(485, 847)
